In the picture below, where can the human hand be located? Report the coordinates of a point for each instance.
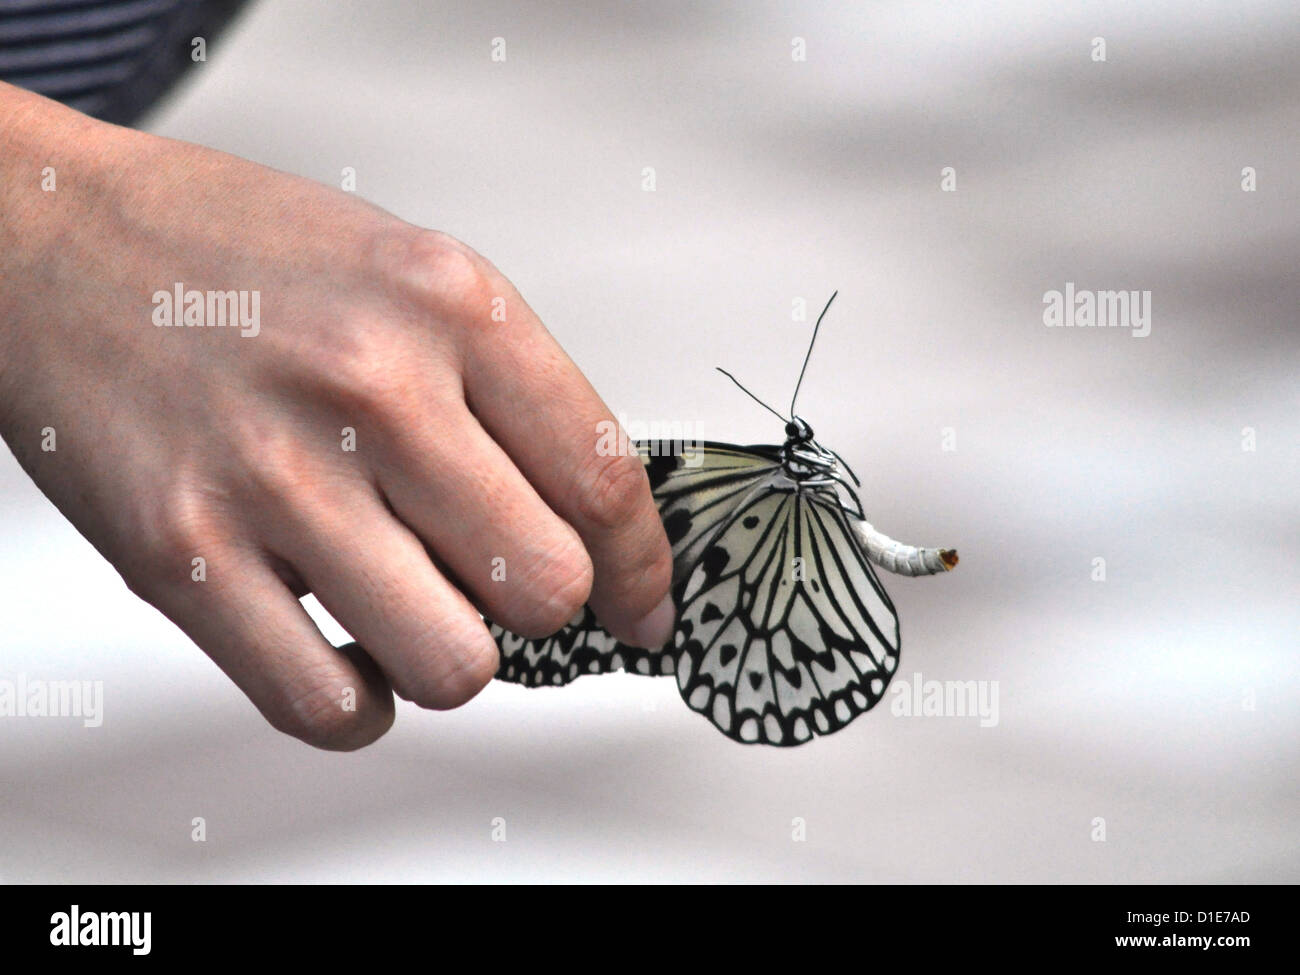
(474, 439)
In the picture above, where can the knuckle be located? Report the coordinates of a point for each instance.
(556, 589)
(435, 271)
(278, 466)
(294, 488)
(182, 535)
(372, 385)
(612, 491)
(183, 526)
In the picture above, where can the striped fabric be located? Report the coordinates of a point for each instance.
(108, 58)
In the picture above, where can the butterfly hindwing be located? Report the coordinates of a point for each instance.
(783, 629)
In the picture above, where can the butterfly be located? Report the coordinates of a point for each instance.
(783, 629)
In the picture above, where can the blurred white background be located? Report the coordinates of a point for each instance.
(1125, 700)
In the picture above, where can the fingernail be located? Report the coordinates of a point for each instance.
(655, 628)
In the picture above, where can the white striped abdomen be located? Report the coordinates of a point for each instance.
(905, 560)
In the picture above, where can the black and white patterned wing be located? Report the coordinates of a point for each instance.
(696, 488)
(783, 629)
(582, 647)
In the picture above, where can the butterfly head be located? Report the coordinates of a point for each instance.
(797, 431)
(803, 458)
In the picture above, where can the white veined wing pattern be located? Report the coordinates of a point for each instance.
(783, 630)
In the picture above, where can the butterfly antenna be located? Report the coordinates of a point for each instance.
(750, 395)
(811, 343)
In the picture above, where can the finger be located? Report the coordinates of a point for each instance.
(248, 622)
(537, 405)
(374, 576)
(468, 502)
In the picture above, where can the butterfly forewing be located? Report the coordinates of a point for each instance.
(697, 488)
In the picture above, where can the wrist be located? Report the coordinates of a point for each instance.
(54, 164)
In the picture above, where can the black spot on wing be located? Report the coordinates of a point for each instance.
(660, 461)
(713, 561)
(677, 525)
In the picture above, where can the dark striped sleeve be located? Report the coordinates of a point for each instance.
(108, 58)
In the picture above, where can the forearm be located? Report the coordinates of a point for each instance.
(50, 157)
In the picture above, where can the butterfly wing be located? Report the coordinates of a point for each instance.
(783, 629)
(581, 647)
(697, 490)
(697, 487)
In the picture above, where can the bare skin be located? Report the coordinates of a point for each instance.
(475, 439)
